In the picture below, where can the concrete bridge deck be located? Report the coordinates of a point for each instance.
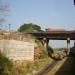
(57, 35)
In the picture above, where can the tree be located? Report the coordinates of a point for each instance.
(29, 27)
(4, 9)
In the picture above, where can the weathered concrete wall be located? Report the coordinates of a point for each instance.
(18, 50)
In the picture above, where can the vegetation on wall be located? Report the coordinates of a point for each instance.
(43, 52)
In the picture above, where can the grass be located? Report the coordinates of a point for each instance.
(28, 67)
(42, 63)
(5, 64)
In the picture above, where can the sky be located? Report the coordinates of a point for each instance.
(54, 14)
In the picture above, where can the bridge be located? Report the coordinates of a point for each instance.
(55, 35)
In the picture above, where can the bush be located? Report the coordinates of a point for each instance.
(5, 65)
(50, 51)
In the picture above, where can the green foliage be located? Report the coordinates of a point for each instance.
(42, 48)
(28, 67)
(50, 48)
(42, 63)
(50, 51)
(5, 64)
(29, 27)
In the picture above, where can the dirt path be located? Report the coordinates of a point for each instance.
(47, 68)
(63, 67)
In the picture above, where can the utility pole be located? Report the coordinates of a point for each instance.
(9, 27)
(0, 27)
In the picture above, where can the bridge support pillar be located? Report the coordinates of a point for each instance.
(68, 46)
(74, 43)
(46, 44)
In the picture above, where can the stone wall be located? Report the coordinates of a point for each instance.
(17, 49)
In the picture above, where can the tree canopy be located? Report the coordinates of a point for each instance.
(29, 27)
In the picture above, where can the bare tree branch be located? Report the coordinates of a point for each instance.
(2, 20)
(4, 11)
(4, 8)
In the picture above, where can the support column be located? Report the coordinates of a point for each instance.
(74, 43)
(68, 46)
(46, 44)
